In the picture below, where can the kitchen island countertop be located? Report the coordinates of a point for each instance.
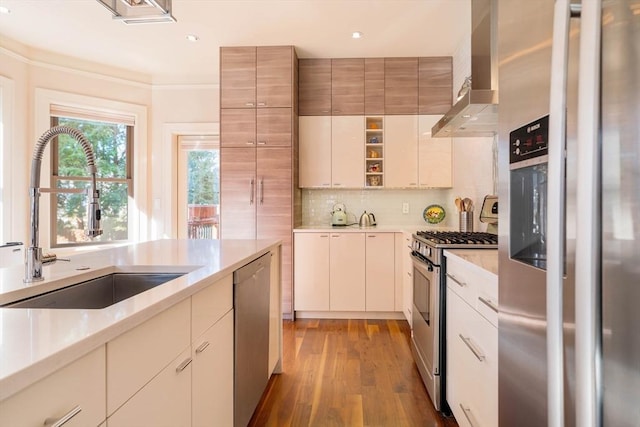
(36, 342)
(486, 259)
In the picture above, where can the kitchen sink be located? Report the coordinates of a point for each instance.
(100, 292)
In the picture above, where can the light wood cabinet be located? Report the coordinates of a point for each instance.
(315, 152)
(253, 77)
(274, 76)
(472, 345)
(212, 375)
(257, 194)
(435, 156)
(315, 87)
(237, 77)
(81, 384)
(311, 273)
(435, 84)
(380, 272)
(347, 151)
(347, 273)
(400, 86)
(347, 87)
(401, 151)
(374, 86)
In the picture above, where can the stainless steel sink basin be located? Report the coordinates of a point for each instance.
(97, 293)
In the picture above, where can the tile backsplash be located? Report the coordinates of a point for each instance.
(473, 177)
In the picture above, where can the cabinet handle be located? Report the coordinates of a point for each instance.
(249, 104)
(262, 142)
(408, 274)
(202, 347)
(461, 284)
(325, 111)
(261, 190)
(181, 367)
(251, 185)
(336, 183)
(468, 415)
(335, 235)
(250, 142)
(337, 111)
(262, 104)
(371, 235)
(324, 235)
(325, 184)
(488, 303)
(58, 422)
(472, 347)
(413, 183)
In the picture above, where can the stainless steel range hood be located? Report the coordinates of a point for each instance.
(476, 112)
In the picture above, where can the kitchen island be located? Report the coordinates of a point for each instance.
(36, 344)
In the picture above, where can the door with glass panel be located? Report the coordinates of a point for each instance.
(198, 187)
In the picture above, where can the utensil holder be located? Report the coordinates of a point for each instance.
(466, 221)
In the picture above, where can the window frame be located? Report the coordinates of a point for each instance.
(54, 177)
(139, 215)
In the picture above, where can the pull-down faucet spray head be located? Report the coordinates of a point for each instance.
(33, 256)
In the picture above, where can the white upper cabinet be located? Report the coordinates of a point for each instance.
(435, 158)
(347, 151)
(401, 149)
(315, 151)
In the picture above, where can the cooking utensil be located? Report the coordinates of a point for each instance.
(458, 202)
(468, 204)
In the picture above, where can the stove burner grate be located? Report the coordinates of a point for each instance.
(459, 237)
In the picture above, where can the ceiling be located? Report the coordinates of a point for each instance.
(83, 31)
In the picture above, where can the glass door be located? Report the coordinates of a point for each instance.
(198, 186)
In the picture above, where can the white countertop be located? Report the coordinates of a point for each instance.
(36, 342)
(357, 229)
(487, 259)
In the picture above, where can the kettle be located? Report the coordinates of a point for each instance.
(339, 215)
(367, 219)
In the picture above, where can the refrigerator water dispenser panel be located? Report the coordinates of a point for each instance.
(529, 141)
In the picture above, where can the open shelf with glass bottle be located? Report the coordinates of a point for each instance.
(374, 151)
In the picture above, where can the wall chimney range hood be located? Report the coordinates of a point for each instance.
(475, 113)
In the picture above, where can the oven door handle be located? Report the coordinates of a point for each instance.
(423, 262)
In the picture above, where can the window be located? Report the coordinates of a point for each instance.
(112, 142)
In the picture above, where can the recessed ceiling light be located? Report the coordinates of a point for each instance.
(4, 9)
(192, 38)
(356, 34)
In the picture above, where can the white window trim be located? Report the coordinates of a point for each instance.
(7, 229)
(165, 198)
(138, 222)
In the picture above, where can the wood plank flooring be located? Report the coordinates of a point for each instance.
(347, 373)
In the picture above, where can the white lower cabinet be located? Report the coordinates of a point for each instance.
(164, 402)
(407, 274)
(344, 271)
(78, 388)
(472, 351)
(212, 375)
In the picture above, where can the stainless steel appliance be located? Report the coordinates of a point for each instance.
(569, 350)
(428, 314)
(251, 317)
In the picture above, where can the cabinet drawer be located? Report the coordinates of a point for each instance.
(473, 355)
(164, 402)
(210, 304)
(79, 384)
(136, 356)
(461, 280)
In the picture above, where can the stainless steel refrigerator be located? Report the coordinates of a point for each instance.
(569, 231)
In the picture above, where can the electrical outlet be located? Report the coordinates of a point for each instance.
(405, 208)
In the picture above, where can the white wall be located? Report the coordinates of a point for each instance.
(165, 104)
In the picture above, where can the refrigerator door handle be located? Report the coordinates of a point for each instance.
(556, 212)
(587, 294)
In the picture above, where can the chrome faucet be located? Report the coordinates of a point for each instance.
(33, 256)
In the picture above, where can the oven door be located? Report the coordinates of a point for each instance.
(426, 324)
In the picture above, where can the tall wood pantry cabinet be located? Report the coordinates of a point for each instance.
(259, 195)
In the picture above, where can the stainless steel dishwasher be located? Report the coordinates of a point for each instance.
(251, 304)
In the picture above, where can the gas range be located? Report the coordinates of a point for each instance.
(430, 244)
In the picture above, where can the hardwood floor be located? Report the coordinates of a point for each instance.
(347, 373)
